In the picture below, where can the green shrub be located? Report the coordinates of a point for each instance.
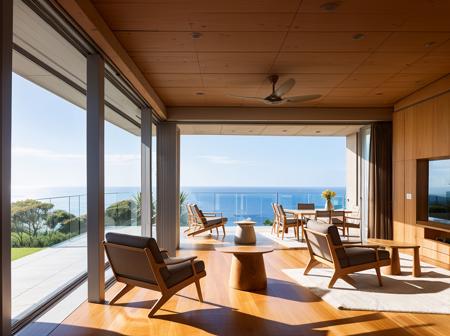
(268, 222)
(40, 240)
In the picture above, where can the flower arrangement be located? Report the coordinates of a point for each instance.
(328, 194)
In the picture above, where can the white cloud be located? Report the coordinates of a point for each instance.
(44, 153)
(220, 159)
(30, 152)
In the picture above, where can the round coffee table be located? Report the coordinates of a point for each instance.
(247, 267)
(245, 232)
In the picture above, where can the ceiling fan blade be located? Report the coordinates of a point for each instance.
(298, 99)
(247, 97)
(285, 87)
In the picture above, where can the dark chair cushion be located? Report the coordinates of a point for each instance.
(182, 271)
(136, 241)
(215, 220)
(361, 255)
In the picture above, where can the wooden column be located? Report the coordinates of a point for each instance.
(146, 176)
(6, 14)
(168, 189)
(95, 177)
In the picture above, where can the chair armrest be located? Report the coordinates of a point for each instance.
(163, 250)
(361, 245)
(179, 260)
(212, 214)
(354, 218)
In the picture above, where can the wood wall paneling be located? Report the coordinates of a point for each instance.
(421, 128)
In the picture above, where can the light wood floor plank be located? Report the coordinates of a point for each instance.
(285, 308)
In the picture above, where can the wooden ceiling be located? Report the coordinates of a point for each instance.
(268, 129)
(355, 53)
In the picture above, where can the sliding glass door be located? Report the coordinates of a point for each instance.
(364, 173)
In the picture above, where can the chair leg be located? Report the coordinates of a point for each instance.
(121, 293)
(333, 280)
(377, 269)
(282, 233)
(199, 290)
(162, 300)
(223, 229)
(217, 231)
(311, 264)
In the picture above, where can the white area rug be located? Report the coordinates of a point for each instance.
(429, 293)
(289, 242)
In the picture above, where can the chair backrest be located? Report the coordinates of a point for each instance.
(306, 206)
(320, 236)
(191, 216)
(198, 214)
(281, 214)
(338, 213)
(323, 214)
(126, 254)
(275, 212)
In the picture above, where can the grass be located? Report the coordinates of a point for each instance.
(20, 252)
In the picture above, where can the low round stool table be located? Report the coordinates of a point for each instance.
(245, 233)
(247, 272)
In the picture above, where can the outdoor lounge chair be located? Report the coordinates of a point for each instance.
(325, 246)
(206, 221)
(137, 261)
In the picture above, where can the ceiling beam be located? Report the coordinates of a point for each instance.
(432, 90)
(86, 15)
(279, 114)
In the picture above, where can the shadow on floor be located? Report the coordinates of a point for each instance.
(227, 321)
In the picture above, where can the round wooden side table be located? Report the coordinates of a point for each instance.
(245, 233)
(247, 272)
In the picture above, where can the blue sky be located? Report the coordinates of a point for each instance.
(49, 146)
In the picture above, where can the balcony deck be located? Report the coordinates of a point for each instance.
(285, 308)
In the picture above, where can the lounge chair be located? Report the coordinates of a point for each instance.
(138, 262)
(206, 221)
(325, 247)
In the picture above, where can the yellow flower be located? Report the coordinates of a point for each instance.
(328, 194)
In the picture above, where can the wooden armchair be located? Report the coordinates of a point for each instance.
(325, 247)
(206, 221)
(137, 261)
(285, 222)
(191, 221)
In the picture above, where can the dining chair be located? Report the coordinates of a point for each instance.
(286, 222)
(338, 219)
(353, 219)
(305, 218)
(275, 219)
(323, 216)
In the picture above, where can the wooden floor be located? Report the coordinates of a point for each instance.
(284, 308)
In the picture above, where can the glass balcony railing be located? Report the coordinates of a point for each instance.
(255, 205)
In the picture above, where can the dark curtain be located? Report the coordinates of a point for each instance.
(380, 181)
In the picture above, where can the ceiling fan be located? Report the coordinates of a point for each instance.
(277, 95)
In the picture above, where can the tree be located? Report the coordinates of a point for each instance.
(29, 216)
(58, 217)
(120, 212)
